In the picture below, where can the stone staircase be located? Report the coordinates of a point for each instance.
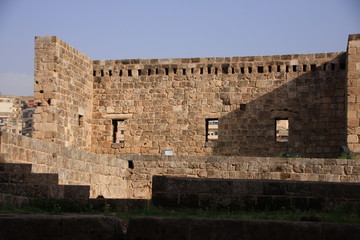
(18, 184)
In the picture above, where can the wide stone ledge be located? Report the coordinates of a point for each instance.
(15, 226)
(199, 228)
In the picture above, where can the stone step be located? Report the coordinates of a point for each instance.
(15, 167)
(46, 191)
(31, 178)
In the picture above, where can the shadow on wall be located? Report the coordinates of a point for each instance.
(314, 104)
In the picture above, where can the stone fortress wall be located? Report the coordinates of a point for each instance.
(164, 104)
(130, 176)
(149, 106)
(63, 93)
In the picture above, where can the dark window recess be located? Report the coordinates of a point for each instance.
(102, 73)
(260, 69)
(304, 68)
(287, 68)
(242, 107)
(333, 66)
(294, 68)
(175, 70)
(209, 70)
(81, 120)
(216, 71)
(184, 71)
(149, 72)
(201, 70)
(225, 70)
(139, 72)
(129, 73)
(278, 68)
(313, 67)
(166, 71)
(270, 69)
(242, 70)
(342, 66)
(110, 73)
(233, 70)
(41, 91)
(131, 164)
(192, 70)
(250, 69)
(156, 71)
(94, 73)
(120, 73)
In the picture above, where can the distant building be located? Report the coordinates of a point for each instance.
(16, 114)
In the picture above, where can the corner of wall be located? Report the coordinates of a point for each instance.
(353, 93)
(62, 92)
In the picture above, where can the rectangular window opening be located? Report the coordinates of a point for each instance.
(119, 131)
(250, 69)
(242, 70)
(216, 71)
(149, 72)
(287, 68)
(225, 70)
(184, 71)
(192, 70)
(270, 69)
(313, 67)
(110, 73)
(201, 70)
(94, 73)
(212, 129)
(139, 72)
(304, 68)
(233, 70)
(80, 120)
(282, 130)
(294, 68)
(260, 69)
(209, 70)
(278, 68)
(129, 73)
(175, 70)
(333, 66)
(120, 73)
(102, 73)
(166, 71)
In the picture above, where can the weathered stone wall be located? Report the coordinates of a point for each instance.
(104, 174)
(165, 104)
(153, 228)
(235, 194)
(353, 93)
(139, 177)
(63, 93)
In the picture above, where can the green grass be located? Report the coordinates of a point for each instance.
(339, 215)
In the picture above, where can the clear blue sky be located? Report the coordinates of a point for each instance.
(120, 29)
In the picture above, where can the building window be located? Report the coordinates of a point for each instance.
(81, 120)
(282, 130)
(118, 131)
(212, 129)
